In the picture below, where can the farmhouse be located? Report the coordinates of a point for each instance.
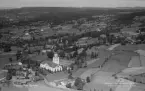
(26, 36)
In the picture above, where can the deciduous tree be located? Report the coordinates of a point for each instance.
(88, 79)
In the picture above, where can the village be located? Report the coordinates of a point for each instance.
(78, 55)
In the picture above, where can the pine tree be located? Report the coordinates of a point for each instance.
(95, 55)
(70, 76)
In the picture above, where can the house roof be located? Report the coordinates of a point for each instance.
(26, 37)
(103, 35)
(116, 34)
(49, 46)
(80, 50)
(84, 38)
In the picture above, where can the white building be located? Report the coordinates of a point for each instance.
(54, 65)
(26, 36)
(41, 30)
(48, 65)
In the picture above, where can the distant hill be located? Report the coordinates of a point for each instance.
(130, 7)
(54, 14)
(61, 14)
(128, 18)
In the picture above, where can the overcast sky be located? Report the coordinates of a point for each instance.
(72, 3)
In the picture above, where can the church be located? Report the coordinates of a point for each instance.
(54, 65)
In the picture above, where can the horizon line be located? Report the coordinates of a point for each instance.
(65, 7)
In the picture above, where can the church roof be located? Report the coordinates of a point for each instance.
(50, 63)
(65, 62)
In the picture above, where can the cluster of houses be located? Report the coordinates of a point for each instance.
(21, 73)
(129, 36)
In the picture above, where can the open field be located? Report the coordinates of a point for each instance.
(12, 88)
(89, 72)
(100, 81)
(121, 58)
(134, 62)
(79, 72)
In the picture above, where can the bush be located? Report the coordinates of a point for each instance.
(70, 76)
(68, 85)
(9, 76)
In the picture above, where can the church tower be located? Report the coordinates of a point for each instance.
(56, 58)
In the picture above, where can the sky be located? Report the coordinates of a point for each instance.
(72, 3)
